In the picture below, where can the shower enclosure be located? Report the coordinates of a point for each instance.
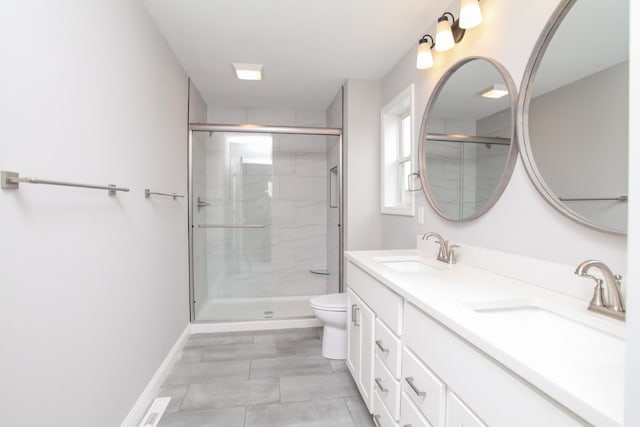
(264, 220)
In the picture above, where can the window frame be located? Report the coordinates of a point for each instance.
(392, 185)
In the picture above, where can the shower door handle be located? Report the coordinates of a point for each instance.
(202, 203)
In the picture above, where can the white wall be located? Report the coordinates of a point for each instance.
(521, 222)
(362, 164)
(632, 396)
(93, 290)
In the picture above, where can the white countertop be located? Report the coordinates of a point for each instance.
(582, 367)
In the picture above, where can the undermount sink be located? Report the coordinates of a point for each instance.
(409, 264)
(532, 323)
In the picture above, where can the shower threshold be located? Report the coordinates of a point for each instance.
(242, 309)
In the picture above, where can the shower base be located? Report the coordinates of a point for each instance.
(239, 309)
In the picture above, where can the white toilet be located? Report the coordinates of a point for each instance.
(331, 309)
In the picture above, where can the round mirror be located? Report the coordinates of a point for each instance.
(573, 113)
(467, 150)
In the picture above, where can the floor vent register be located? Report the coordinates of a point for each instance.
(155, 412)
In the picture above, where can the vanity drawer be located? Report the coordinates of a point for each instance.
(388, 347)
(498, 397)
(381, 416)
(385, 303)
(424, 388)
(388, 388)
(410, 416)
(459, 415)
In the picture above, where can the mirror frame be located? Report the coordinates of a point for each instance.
(522, 124)
(511, 156)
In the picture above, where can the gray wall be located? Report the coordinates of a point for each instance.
(362, 164)
(93, 288)
(570, 139)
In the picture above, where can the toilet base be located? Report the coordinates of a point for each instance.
(334, 343)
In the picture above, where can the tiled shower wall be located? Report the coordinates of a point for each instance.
(463, 176)
(286, 191)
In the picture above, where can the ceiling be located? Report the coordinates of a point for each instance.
(308, 48)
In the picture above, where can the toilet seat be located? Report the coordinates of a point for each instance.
(329, 302)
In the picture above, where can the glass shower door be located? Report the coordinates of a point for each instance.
(261, 224)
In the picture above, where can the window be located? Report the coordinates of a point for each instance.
(397, 154)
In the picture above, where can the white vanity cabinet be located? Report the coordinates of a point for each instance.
(492, 394)
(458, 414)
(374, 344)
(414, 371)
(360, 358)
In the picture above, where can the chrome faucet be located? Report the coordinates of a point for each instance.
(445, 253)
(611, 306)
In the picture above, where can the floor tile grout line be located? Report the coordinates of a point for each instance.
(353, 421)
(183, 397)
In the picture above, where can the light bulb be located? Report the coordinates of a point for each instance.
(424, 59)
(470, 15)
(444, 37)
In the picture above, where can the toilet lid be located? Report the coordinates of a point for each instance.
(330, 302)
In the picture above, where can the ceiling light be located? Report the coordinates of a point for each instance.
(470, 15)
(495, 91)
(248, 71)
(447, 33)
(424, 59)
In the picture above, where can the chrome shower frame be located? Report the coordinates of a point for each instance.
(295, 130)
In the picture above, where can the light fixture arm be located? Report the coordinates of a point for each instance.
(427, 39)
(458, 33)
(445, 15)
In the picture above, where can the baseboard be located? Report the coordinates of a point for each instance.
(152, 388)
(257, 325)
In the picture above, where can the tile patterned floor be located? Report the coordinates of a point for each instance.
(261, 379)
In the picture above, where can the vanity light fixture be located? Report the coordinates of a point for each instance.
(448, 33)
(470, 15)
(495, 91)
(424, 59)
(248, 71)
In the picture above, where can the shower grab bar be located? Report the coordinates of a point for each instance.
(12, 180)
(148, 193)
(617, 199)
(231, 225)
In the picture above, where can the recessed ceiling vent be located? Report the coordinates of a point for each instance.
(248, 71)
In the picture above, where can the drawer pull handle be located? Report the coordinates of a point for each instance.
(409, 381)
(376, 420)
(408, 425)
(356, 321)
(380, 386)
(354, 315)
(382, 349)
